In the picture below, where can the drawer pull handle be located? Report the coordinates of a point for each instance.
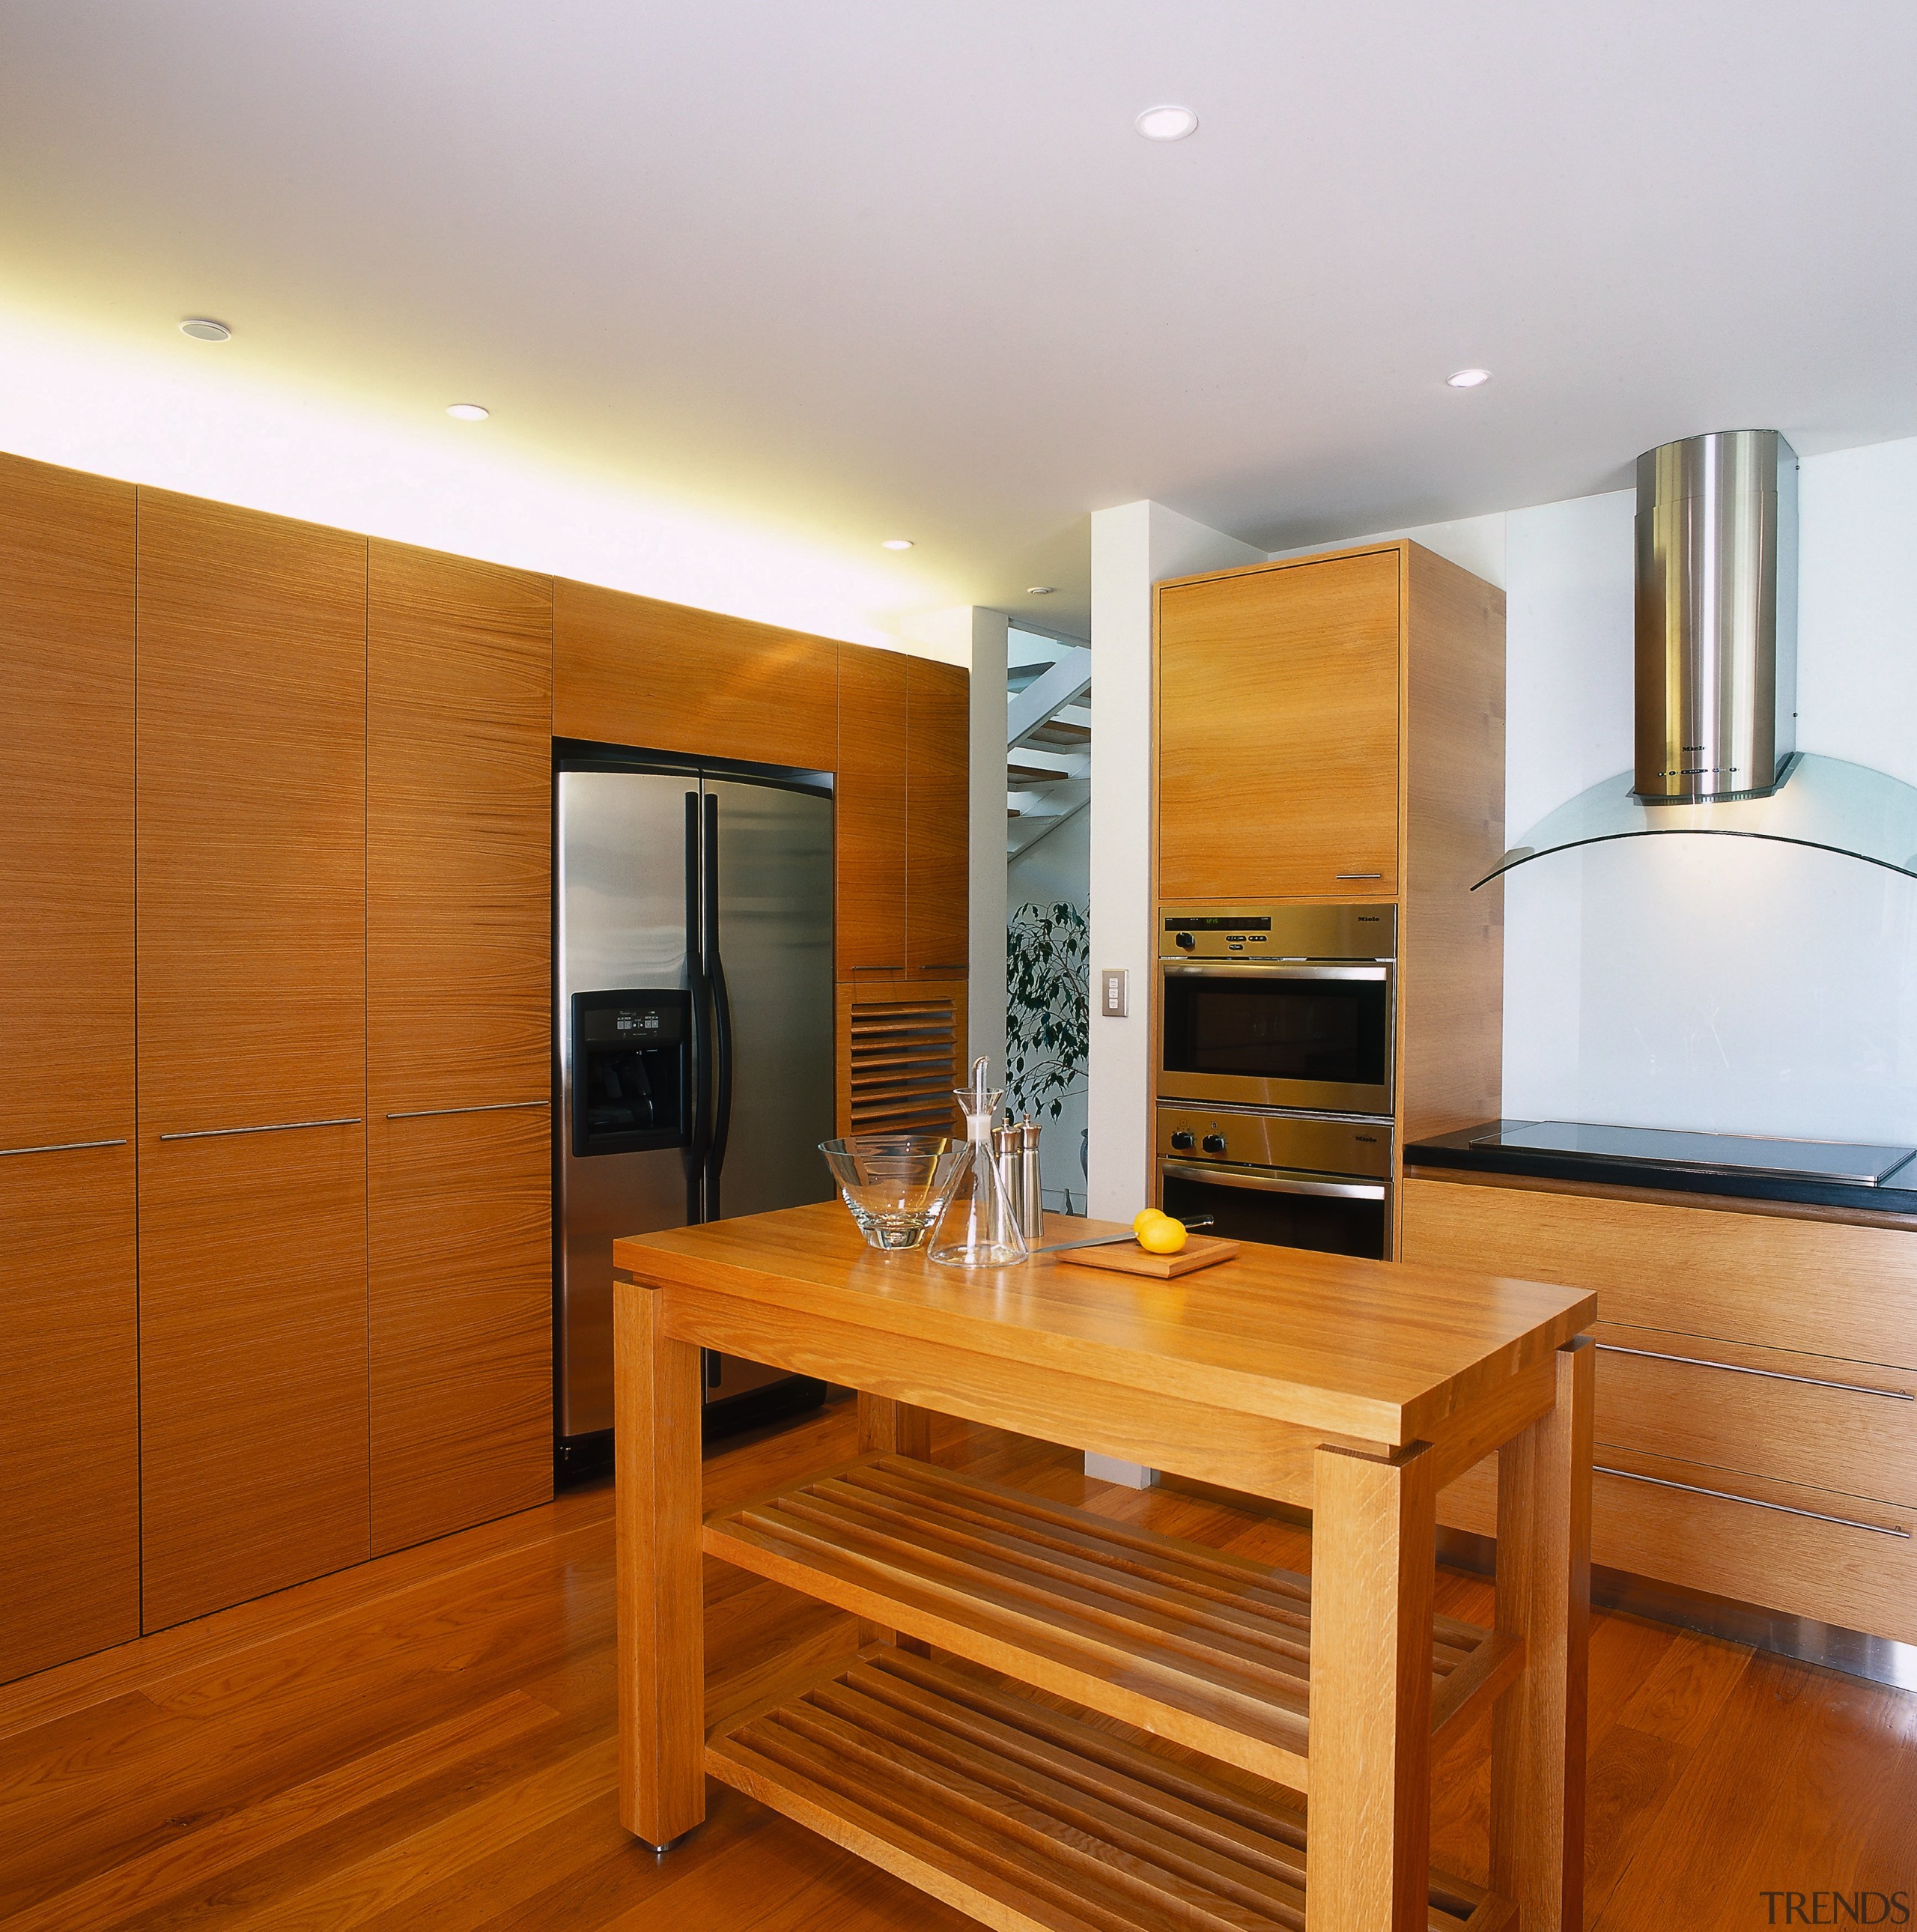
(1755, 1502)
(1769, 1375)
(1360, 875)
(59, 1147)
(485, 1107)
(273, 1127)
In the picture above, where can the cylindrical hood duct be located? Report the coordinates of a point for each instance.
(1716, 616)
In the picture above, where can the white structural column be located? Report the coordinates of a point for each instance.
(986, 980)
(1133, 547)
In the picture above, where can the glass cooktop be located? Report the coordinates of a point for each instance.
(1858, 1163)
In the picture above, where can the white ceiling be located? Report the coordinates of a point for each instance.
(862, 268)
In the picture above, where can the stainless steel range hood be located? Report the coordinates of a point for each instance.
(1716, 671)
(1717, 618)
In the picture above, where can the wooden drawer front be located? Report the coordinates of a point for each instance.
(1808, 1419)
(1825, 1288)
(1809, 1553)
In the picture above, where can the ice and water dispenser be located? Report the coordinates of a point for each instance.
(632, 1085)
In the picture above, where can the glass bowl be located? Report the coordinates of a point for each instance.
(896, 1185)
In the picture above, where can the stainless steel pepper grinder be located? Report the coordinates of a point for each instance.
(1031, 1193)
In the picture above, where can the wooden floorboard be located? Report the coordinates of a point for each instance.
(427, 1742)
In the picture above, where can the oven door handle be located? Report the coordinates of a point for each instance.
(1264, 1180)
(1257, 969)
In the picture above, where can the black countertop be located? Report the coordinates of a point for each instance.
(1455, 1151)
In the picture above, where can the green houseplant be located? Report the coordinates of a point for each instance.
(1047, 1006)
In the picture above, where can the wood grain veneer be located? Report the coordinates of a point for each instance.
(253, 1362)
(1277, 700)
(1450, 939)
(633, 670)
(69, 1407)
(938, 818)
(66, 805)
(252, 790)
(460, 1216)
(458, 831)
(1822, 1288)
(869, 812)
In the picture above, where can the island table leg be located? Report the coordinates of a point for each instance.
(661, 1638)
(889, 1428)
(1368, 1812)
(1537, 1729)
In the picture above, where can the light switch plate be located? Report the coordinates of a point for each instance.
(1114, 993)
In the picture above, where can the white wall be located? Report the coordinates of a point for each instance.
(1709, 982)
(1133, 547)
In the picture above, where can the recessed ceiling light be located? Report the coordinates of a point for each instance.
(1468, 379)
(204, 329)
(1040, 589)
(1166, 124)
(467, 412)
(896, 543)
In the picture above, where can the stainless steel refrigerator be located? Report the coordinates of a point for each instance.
(694, 983)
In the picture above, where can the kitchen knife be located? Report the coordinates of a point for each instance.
(1112, 1240)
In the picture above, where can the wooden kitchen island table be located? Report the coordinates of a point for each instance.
(943, 1749)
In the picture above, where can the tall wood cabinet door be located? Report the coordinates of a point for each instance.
(938, 818)
(459, 1047)
(69, 1391)
(458, 833)
(633, 670)
(252, 998)
(870, 812)
(461, 1244)
(1278, 733)
(252, 1364)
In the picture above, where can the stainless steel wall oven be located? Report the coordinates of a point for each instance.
(1278, 1005)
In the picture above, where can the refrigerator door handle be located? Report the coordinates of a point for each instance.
(699, 1042)
(722, 1014)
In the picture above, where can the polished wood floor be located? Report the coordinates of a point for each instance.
(426, 1742)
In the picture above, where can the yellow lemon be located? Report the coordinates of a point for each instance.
(1144, 1217)
(1164, 1236)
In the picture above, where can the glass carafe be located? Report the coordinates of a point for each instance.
(979, 1228)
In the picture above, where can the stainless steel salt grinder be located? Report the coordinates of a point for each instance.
(1006, 1145)
(1031, 1193)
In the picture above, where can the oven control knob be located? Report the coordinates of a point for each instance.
(1181, 1142)
(1186, 942)
(1214, 1143)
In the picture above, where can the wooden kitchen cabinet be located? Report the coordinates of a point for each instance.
(69, 1391)
(633, 670)
(460, 1212)
(253, 1362)
(1278, 731)
(869, 811)
(252, 1052)
(938, 818)
(459, 1041)
(1753, 1418)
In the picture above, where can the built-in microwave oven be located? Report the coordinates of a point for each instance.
(1278, 1005)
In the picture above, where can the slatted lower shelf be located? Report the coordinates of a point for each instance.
(1209, 1649)
(1027, 1818)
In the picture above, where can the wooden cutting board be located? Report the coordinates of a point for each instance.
(1200, 1251)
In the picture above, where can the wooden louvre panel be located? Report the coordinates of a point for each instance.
(903, 1061)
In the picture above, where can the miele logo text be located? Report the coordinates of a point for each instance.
(1837, 1908)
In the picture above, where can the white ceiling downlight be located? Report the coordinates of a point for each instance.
(467, 412)
(1468, 379)
(1166, 124)
(204, 329)
(1040, 589)
(896, 543)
